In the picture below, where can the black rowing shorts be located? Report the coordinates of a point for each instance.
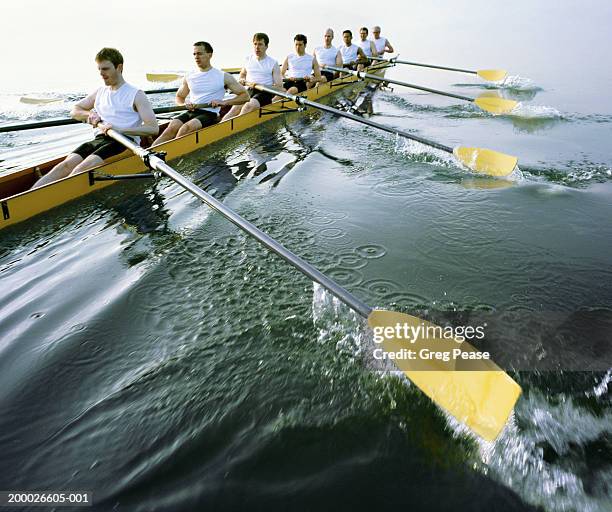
(300, 83)
(102, 146)
(330, 75)
(206, 117)
(264, 98)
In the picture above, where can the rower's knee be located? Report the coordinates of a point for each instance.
(250, 106)
(292, 90)
(90, 162)
(189, 127)
(174, 127)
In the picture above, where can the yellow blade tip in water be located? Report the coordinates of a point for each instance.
(480, 395)
(492, 75)
(495, 105)
(38, 101)
(486, 161)
(163, 77)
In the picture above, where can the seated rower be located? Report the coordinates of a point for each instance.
(117, 105)
(382, 43)
(300, 70)
(368, 47)
(206, 86)
(328, 55)
(261, 69)
(352, 55)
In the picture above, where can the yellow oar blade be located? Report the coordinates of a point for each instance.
(231, 70)
(492, 75)
(481, 396)
(486, 161)
(495, 105)
(38, 101)
(163, 77)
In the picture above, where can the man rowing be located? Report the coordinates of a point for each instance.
(382, 44)
(300, 70)
(365, 44)
(260, 69)
(202, 92)
(328, 55)
(117, 105)
(352, 55)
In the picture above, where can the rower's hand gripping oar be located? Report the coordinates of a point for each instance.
(480, 160)
(489, 104)
(482, 400)
(491, 75)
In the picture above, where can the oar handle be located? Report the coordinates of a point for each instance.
(301, 100)
(363, 74)
(67, 121)
(306, 268)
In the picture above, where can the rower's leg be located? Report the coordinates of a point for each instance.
(61, 170)
(170, 132)
(90, 162)
(189, 126)
(233, 112)
(251, 105)
(291, 90)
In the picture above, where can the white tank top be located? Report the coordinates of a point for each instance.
(260, 71)
(326, 56)
(299, 67)
(349, 53)
(116, 107)
(366, 47)
(380, 44)
(205, 86)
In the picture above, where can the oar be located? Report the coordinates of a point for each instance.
(483, 400)
(42, 101)
(481, 160)
(66, 121)
(492, 75)
(171, 77)
(485, 102)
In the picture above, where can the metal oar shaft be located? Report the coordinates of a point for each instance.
(300, 100)
(362, 74)
(303, 266)
(427, 65)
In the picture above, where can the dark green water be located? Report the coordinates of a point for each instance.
(154, 355)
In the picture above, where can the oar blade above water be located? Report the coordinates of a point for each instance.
(492, 75)
(31, 100)
(486, 161)
(163, 77)
(495, 105)
(481, 396)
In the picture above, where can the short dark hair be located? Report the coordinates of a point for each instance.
(260, 36)
(205, 45)
(364, 28)
(300, 37)
(110, 54)
(348, 32)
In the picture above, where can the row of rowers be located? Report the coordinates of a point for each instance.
(125, 108)
(300, 71)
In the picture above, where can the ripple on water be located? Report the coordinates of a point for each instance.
(406, 299)
(381, 287)
(350, 259)
(371, 251)
(347, 277)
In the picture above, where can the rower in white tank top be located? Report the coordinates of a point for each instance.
(116, 107)
(366, 46)
(206, 86)
(260, 71)
(300, 66)
(380, 44)
(348, 53)
(326, 56)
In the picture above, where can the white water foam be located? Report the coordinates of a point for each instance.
(418, 152)
(535, 112)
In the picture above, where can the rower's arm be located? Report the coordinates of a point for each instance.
(242, 96)
(242, 76)
(277, 79)
(316, 70)
(339, 59)
(285, 66)
(373, 49)
(82, 109)
(388, 47)
(182, 93)
(145, 111)
(361, 56)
